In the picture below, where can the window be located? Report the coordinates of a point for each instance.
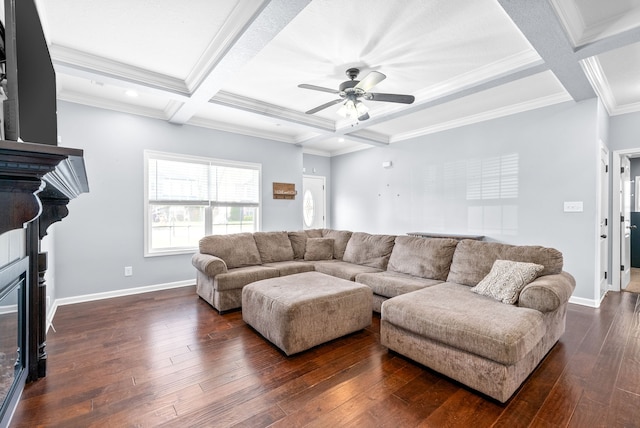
(189, 197)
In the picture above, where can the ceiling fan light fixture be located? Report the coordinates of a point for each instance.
(352, 108)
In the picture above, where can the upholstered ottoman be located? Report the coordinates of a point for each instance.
(297, 312)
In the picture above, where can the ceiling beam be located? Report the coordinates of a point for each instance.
(263, 28)
(539, 23)
(615, 41)
(273, 111)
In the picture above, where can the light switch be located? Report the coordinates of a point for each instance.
(573, 207)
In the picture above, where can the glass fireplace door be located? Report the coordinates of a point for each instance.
(13, 282)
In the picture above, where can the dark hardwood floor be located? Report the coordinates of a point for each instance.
(168, 359)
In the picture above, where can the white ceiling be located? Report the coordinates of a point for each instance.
(235, 65)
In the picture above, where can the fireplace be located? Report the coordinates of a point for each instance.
(13, 325)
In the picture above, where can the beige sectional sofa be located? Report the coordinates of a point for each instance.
(432, 294)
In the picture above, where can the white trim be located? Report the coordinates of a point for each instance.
(73, 58)
(324, 196)
(602, 149)
(315, 152)
(485, 116)
(51, 314)
(510, 64)
(152, 154)
(585, 302)
(120, 293)
(593, 69)
(616, 213)
(239, 129)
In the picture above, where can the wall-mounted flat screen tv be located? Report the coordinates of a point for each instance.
(30, 109)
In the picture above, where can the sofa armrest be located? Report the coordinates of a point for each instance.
(547, 293)
(208, 264)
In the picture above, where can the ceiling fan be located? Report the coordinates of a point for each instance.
(351, 91)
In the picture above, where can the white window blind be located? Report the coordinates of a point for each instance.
(189, 197)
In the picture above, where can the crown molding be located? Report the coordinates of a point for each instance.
(368, 136)
(77, 98)
(351, 149)
(580, 33)
(226, 127)
(316, 153)
(492, 71)
(485, 116)
(74, 58)
(593, 69)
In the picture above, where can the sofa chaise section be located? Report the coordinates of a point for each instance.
(478, 340)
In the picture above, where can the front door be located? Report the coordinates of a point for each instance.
(313, 202)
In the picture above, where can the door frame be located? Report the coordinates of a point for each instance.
(603, 197)
(324, 196)
(616, 253)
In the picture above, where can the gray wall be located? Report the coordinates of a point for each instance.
(104, 230)
(428, 186)
(625, 135)
(320, 166)
(625, 132)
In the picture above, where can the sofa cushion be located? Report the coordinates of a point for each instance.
(314, 233)
(298, 243)
(369, 250)
(473, 260)
(340, 240)
(506, 279)
(319, 249)
(342, 269)
(391, 284)
(273, 246)
(237, 250)
(451, 314)
(423, 257)
(239, 277)
(290, 268)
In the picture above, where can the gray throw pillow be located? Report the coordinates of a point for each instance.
(506, 279)
(319, 249)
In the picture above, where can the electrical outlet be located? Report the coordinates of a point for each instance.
(128, 271)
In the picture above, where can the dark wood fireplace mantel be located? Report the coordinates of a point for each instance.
(34, 176)
(37, 182)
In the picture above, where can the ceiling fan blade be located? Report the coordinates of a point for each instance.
(324, 106)
(390, 98)
(318, 88)
(371, 80)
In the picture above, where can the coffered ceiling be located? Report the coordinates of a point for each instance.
(235, 65)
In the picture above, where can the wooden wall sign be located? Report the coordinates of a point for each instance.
(284, 191)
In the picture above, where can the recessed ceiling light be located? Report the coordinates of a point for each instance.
(131, 93)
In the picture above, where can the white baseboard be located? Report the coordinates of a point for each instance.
(118, 293)
(585, 302)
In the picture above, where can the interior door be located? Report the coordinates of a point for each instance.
(625, 226)
(604, 213)
(313, 202)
